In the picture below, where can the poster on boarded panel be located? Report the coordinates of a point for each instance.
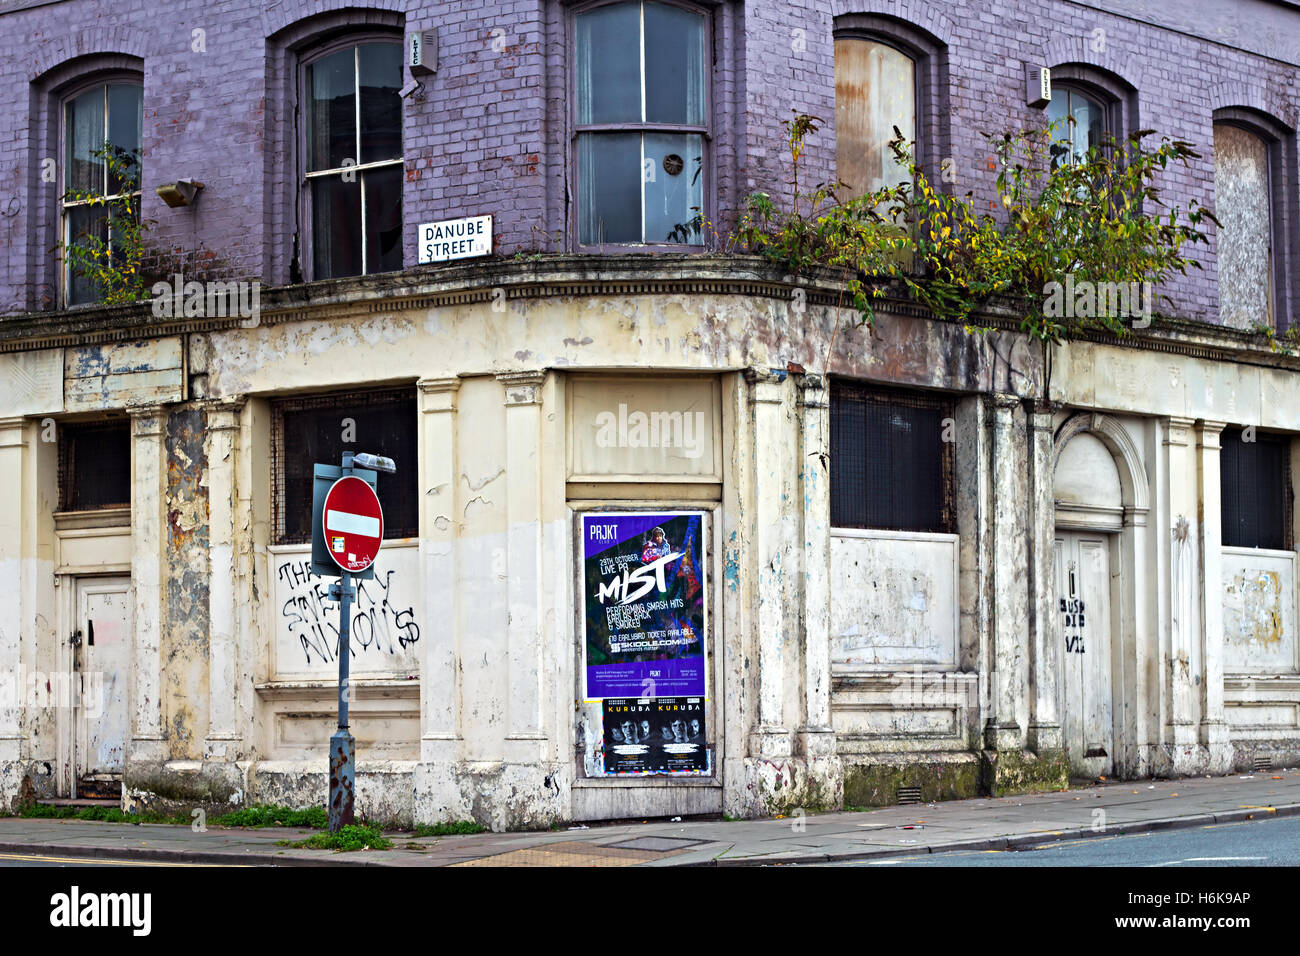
(653, 735)
(644, 597)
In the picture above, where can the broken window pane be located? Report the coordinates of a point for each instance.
(1245, 238)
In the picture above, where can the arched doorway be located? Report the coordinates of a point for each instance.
(1100, 493)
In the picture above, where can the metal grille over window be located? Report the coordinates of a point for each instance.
(1255, 491)
(891, 469)
(94, 466)
(318, 429)
(641, 124)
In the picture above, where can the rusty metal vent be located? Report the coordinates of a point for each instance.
(1262, 762)
(909, 795)
(94, 466)
(891, 468)
(312, 429)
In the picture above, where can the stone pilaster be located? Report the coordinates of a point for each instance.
(815, 736)
(525, 736)
(1010, 619)
(1183, 573)
(223, 453)
(13, 450)
(148, 556)
(1044, 732)
(771, 739)
(1213, 727)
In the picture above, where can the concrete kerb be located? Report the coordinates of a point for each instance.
(211, 857)
(1017, 842)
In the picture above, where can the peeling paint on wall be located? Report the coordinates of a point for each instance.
(185, 640)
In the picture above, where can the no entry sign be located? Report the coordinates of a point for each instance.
(353, 523)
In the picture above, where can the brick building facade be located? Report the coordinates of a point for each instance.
(847, 655)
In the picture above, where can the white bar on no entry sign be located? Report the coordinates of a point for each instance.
(349, 523)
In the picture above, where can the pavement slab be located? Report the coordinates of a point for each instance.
(983, 823)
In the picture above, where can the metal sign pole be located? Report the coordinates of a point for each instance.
(343, 767)
(342, 745)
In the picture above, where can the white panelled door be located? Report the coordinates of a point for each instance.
(104, 665)
(1083, 648)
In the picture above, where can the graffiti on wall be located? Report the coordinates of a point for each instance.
(383, 622)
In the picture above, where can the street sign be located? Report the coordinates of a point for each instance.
(323, 478)
(454, 239)
(353, 524)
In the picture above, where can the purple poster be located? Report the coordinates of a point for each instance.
(644, 596)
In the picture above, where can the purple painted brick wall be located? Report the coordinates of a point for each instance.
(491, 132)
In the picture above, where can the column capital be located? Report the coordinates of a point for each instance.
(523, 388)
(814, 390)
(765, 384)
(223, 414)
(1041, 410)
(1207, 433)
(438, 394)
(146, 420)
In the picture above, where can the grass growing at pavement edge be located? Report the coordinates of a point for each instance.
(348, 838)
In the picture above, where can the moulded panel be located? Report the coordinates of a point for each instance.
(893, 598)
(387, 617)
(1259, 611)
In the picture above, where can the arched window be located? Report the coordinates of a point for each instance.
(1243, 203)
(97, 121)
(1079, 122)
(641, 120)
(352, 122)
(875, 92)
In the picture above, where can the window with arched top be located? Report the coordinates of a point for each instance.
(1243, 203)
(1079, 122)
(875, 93)
(99, 121)
(641, 123)
(352, 156)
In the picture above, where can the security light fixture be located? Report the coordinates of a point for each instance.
(179, 193)
(375, 463)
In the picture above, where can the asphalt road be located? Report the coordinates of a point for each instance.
(45, 859)
(1255, 843)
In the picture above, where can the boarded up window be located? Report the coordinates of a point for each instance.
(891, 468)
(1255, 489)
(875, 90)
(1245, 239)
(306, 431)
(94, 466)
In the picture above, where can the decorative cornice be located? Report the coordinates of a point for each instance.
(571, 276)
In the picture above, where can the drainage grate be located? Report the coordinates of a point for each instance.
(1262, 762)
(909, 795)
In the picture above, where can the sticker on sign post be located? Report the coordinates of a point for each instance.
(353, 523)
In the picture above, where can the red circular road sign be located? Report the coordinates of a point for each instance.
(353, 524)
